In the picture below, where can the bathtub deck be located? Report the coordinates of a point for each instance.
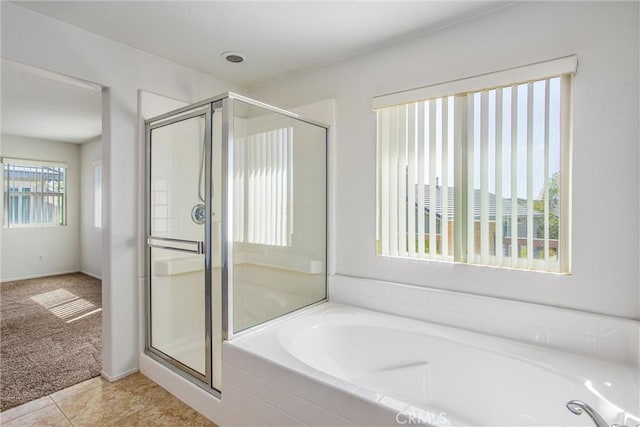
(349, 366)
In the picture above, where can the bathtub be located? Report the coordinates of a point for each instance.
(339, 365)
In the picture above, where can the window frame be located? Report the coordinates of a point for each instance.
(458, 90)
(8, 188)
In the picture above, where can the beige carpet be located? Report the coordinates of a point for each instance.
(50, 335)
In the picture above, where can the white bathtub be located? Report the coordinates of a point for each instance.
(367, 368)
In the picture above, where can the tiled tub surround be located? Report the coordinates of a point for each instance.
(596, 335)
(340, 365)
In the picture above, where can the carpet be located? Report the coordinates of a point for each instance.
(50, 335)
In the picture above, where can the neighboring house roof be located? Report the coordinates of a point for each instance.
(30, 173)
(506, 203)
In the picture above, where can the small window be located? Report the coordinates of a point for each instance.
(478, 176)
(34, 193)
(97, 193)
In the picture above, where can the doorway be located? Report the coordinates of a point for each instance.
(51, 243)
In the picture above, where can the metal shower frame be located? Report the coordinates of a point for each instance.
(207, 108)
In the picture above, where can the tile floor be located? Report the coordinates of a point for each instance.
(131, 401)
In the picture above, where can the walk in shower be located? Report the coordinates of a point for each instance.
(235, 226)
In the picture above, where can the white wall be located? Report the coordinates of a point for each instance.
(90, 235)
(605, 276)
(59, 245)
(78, 245)
(39, 41)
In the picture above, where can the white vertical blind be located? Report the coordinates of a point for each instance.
(484, 177)
(411, 178)
(393, 182)
(564, 186)
(471, 235)
(248, 179)
(239, 182)
(444, 221)
(499, 240)
(515, 247)
(510, 144)
(531, 112)
(546, 160)
(421, 179)
(413, 188)
(433, 209)
(384, 184)
(402, 181)
(459, 178)
(271, 202)
(263, 188)
(277, 183)
(529, 175)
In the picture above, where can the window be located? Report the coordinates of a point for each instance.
(34, 193)
(263, 189)
(477, 170)
(97, 193)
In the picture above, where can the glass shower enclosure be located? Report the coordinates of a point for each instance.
(236, 226)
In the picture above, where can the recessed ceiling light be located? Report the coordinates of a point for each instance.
(233, 57)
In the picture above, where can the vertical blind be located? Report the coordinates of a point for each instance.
(263, 189)
(34, 193)
(415, 182)
(480, 177)
(514, 175)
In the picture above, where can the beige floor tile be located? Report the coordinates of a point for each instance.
(108, 403)
(161, 417)
(21, 410)
(99, 406)
(48, 416)
(137, 383)
(160, 407)
(131, 401)
(80, 388)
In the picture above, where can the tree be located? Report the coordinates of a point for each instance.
(553, 186)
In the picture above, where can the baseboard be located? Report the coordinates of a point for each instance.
(37, 276)
(95, 276)
(112, 378)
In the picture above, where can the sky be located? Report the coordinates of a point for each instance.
(521, 137)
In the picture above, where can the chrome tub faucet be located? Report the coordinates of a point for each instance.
(578, 406)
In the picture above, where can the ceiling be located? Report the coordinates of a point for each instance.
(40, 104)
(278, 37)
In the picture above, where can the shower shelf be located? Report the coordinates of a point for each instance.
(300, 265)
(190, 264)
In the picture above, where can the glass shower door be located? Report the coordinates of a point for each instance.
(179, 241)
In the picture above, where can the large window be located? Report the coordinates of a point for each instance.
(478, 170)
(34, 193)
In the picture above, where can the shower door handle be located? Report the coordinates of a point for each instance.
(198, 246)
